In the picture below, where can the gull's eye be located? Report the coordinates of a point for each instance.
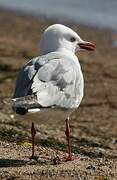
(72, 39)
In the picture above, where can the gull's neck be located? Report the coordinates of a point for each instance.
(67, 52)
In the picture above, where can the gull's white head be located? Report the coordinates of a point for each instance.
(58, 37)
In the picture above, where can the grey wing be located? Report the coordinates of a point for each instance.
(55, 84)
(26, 75)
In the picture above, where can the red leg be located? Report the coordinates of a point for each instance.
(67, 132)
(33, 133)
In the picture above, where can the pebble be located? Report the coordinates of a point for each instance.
(91, 167)
(12, 116)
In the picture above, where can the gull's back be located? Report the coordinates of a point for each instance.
(55, 78)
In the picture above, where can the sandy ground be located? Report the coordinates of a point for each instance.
(94, 124)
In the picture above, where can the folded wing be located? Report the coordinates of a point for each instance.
(52, 79)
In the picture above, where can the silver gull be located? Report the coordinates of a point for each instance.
(52, 82)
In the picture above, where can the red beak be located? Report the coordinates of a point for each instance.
(88, 46)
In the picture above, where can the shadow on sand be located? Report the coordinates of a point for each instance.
(12, 163)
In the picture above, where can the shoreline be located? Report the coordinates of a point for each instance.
(65, 20)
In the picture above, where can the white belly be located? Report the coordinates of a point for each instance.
(45, 116)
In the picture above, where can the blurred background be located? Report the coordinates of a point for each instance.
(94, 124)
(98, 13)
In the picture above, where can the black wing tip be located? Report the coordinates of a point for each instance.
(21, 111)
